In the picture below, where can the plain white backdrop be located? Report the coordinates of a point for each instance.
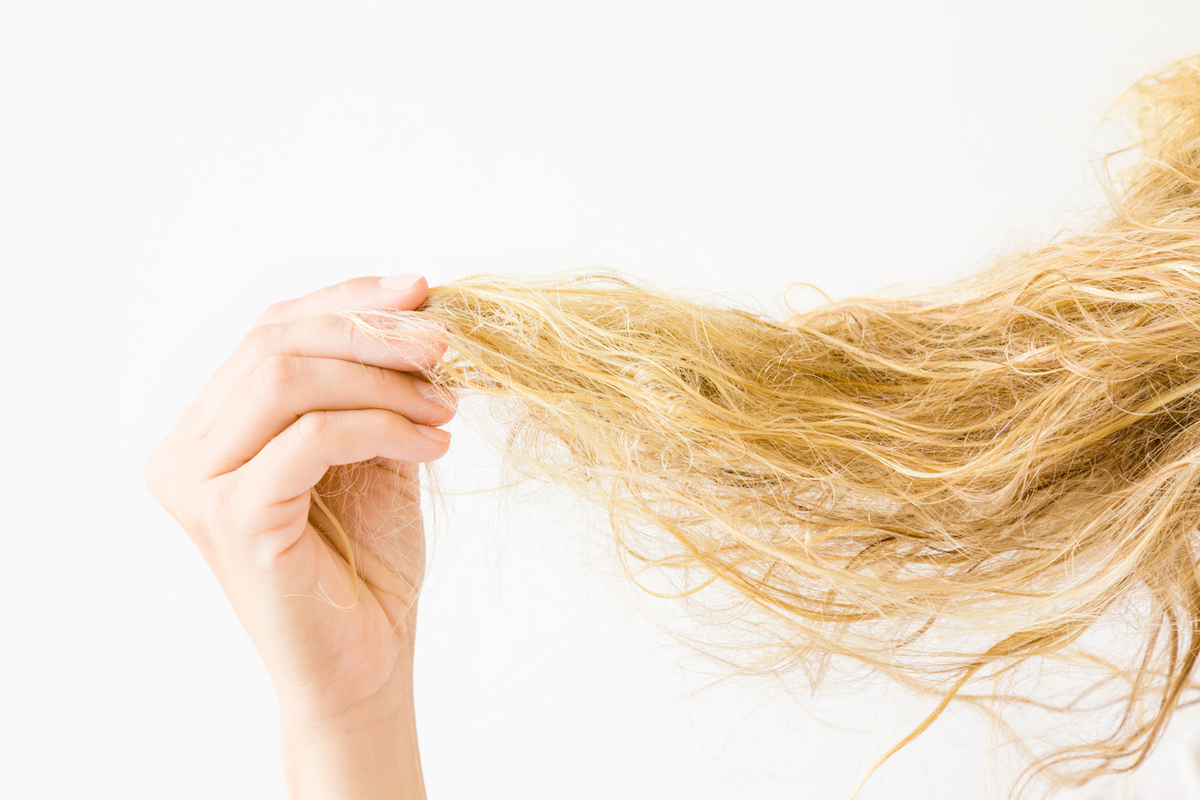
(167, 170)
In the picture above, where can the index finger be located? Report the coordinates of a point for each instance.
(398, 293)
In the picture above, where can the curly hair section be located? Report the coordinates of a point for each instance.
(942, 488)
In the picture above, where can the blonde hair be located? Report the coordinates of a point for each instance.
(941, 488)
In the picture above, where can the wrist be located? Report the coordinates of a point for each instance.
(366, 752)
(346, 701)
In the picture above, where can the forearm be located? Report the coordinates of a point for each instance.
(361, 758)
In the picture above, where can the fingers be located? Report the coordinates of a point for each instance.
(400, 292)
(285, 388)
(413, 343)
(292, 463)
(293, 381)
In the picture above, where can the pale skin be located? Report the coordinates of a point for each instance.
(302, 393)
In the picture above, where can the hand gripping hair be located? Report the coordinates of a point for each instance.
(945, 489)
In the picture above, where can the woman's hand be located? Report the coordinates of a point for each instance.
(306, 391)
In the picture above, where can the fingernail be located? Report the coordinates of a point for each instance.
(435, 393)
(437, 434)
(398, 283)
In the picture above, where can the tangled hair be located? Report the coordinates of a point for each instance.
(942, 488)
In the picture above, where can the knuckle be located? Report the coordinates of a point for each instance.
(195, 503)
(379, 379)
(273, 313)
(313, 426)
(188, 502)
(176, 498)
(345, 329)
(165, 479)
(212, 511)
(188, 506)
(180, 490)
(275, 376)
(261, 341)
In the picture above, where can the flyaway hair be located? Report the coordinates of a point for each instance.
(942, 488)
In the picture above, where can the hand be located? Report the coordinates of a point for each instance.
(306, 391)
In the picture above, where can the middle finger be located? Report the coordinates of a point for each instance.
(285, 388)
(413, 343)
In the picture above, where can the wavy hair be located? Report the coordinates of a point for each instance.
(943, 488)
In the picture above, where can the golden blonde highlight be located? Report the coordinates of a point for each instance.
(942, 487)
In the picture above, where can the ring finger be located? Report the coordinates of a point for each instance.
(284, 388)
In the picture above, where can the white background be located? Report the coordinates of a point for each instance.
(167, 170)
